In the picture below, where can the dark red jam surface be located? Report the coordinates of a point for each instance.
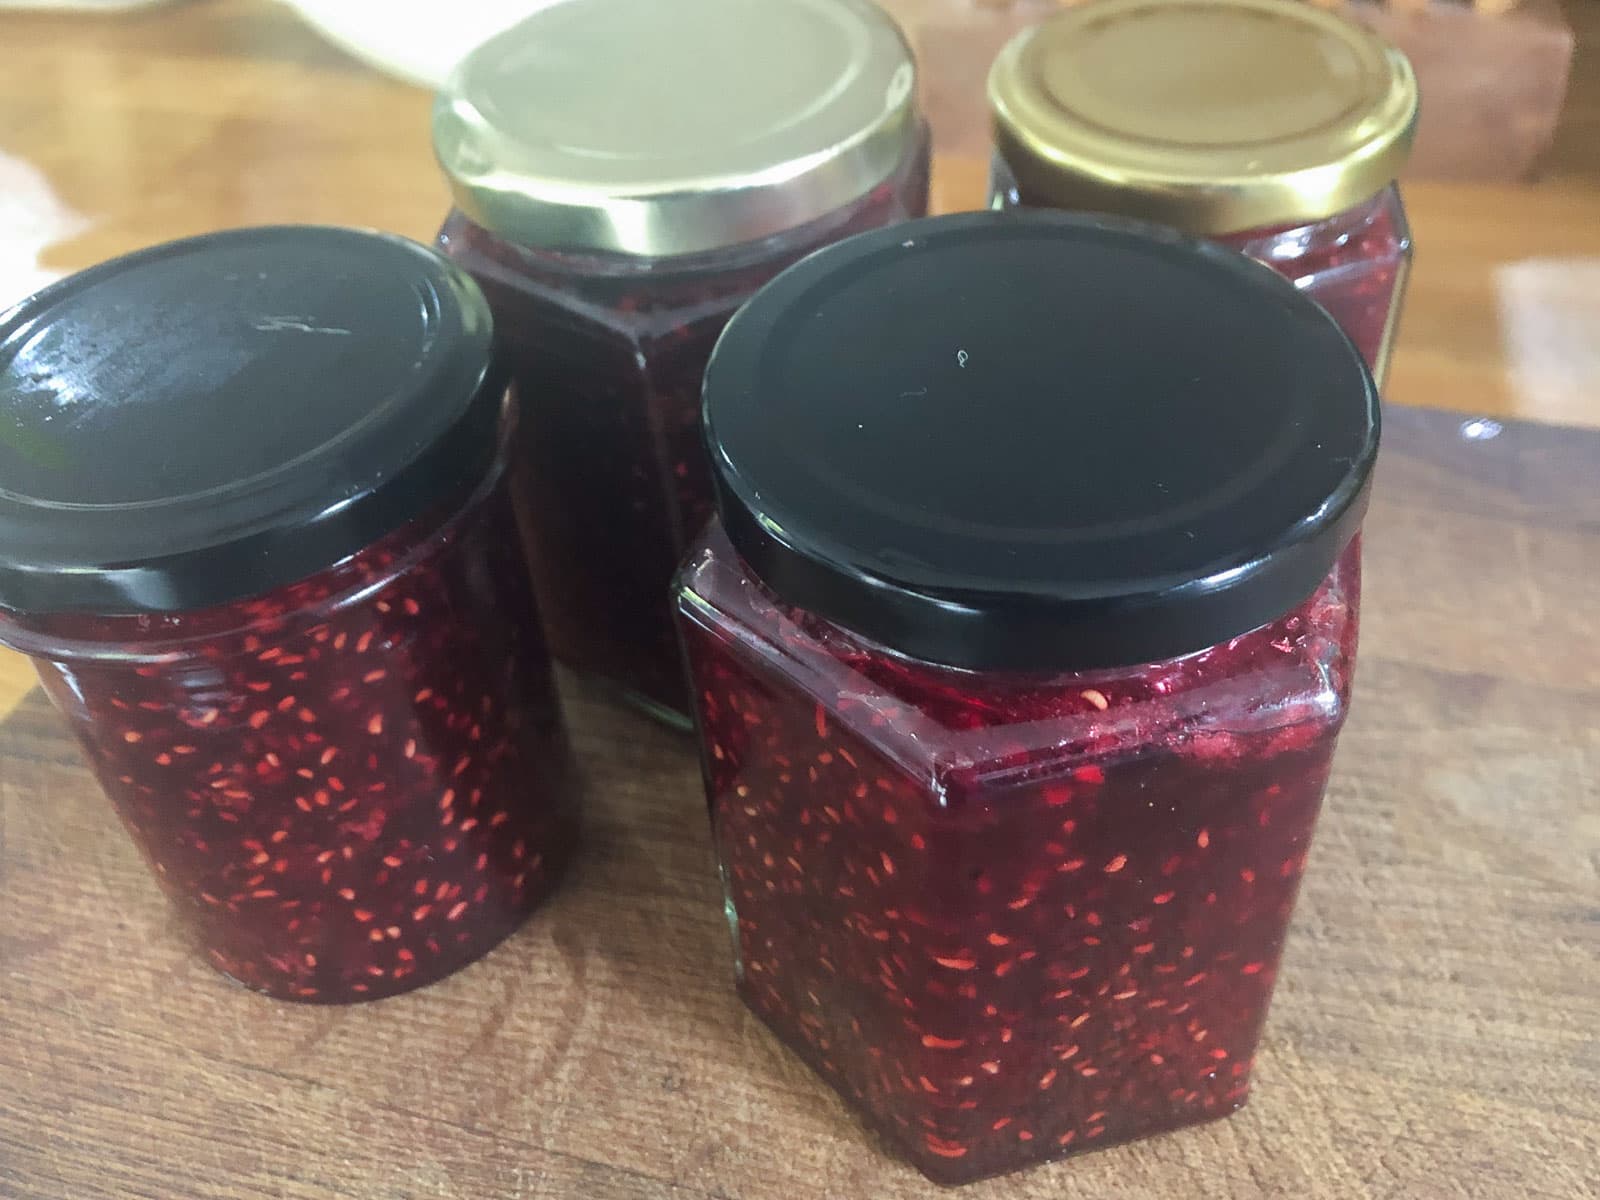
(349, 787)
(609, 352)
(1353, 264)
(1011, 917)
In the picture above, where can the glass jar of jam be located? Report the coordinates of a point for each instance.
(617, 207)
(1019, 655)
(259, 535)
(1276, 128)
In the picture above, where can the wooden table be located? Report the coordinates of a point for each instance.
(1435, 1028)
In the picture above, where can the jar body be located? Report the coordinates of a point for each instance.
(1354, 263)
(351, 786)
(1011, 917)
(609, 352)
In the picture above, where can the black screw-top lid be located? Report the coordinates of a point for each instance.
(216, 417)
(1032, 441)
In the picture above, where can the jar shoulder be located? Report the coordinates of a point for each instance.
(1282, 684)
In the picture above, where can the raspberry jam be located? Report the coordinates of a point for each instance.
(1354, 264)
(1013, 761)
(351, 786)
(1277, 129)
(1068, 935)
(610, 316)
(352, 781)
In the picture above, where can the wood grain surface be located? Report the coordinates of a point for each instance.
(1433, 1033)
(119, 131)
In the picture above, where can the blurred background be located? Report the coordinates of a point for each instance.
(123, 125)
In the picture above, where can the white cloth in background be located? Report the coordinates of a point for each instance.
(1549, 318)
(32, 218)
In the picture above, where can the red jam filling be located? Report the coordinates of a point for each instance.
(1352, 264)
(1012, 917)
(349, 787)
(608, 353)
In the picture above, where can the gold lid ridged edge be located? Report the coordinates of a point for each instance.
(679, 217)
(1194, 201)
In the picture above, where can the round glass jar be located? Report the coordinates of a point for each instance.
(1275, 128)
(1019, 654)
(258, 535)
(617, 210)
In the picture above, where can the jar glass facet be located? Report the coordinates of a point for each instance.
(1354, 264)
(1019, 652)
(1011, 916)
(613, 351)
(611, 302)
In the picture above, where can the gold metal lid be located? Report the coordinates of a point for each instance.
(660, 128)
(1211, 115)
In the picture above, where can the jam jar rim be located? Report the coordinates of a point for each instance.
(1070, 159)
(425, 442)
(854, 567)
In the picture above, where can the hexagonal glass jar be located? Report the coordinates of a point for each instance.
(1020, 653)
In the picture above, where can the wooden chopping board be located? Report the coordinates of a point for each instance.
(1434, 1033)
